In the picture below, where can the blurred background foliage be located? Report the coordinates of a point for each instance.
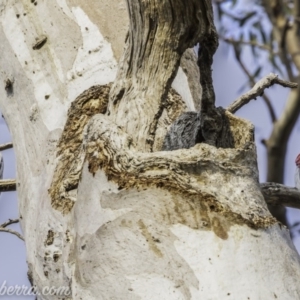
(270, 31)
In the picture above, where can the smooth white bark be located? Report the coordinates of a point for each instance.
(192, 240)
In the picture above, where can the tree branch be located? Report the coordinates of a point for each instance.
(9, 222)
(297, 16)
(247, 43)
(258, 90)
(286, 60)
(277, 142)
(252, 81)
(277, 194)
(8, 185)
(150, 61)
(12, 232)
(6, 146)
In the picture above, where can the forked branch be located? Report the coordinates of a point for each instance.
(9, 222)
(258, 90)
(252, 81)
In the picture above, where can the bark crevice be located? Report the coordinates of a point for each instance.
(63, 189)
(187, 173)
(71, 152)
(151, 59)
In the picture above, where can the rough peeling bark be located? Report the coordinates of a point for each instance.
(183, 172)
(71, 152)
(149, 63)
(104, 212)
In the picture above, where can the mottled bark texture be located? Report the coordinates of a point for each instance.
(71, 151)
(159, 34)
(188, 130)
(209, 125)
(188, 173)
(101, 213)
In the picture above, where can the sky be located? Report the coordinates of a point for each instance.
(228, 78)
(13, 267)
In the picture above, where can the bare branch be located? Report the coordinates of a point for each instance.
(6, 146)
(253, 81)
(277, 194)
(297, 16)
(9, 222)
(278, 140)
(8, 185)
(283, 51)
(258, 90)
(247, 43)
(12, 232)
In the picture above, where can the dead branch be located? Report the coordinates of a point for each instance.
(12, 232)
(134, 92)
(297, 16)
(252, 80)
(284, 55)
(9, 222)
(247, 43)
(277, 194)
(8, 185)
(6, 146)
(278, 140)
(258, 90)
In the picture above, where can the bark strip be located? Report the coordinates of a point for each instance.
(151, 60)
(63, 189)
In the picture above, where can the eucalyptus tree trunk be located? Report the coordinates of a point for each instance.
(104, 212)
